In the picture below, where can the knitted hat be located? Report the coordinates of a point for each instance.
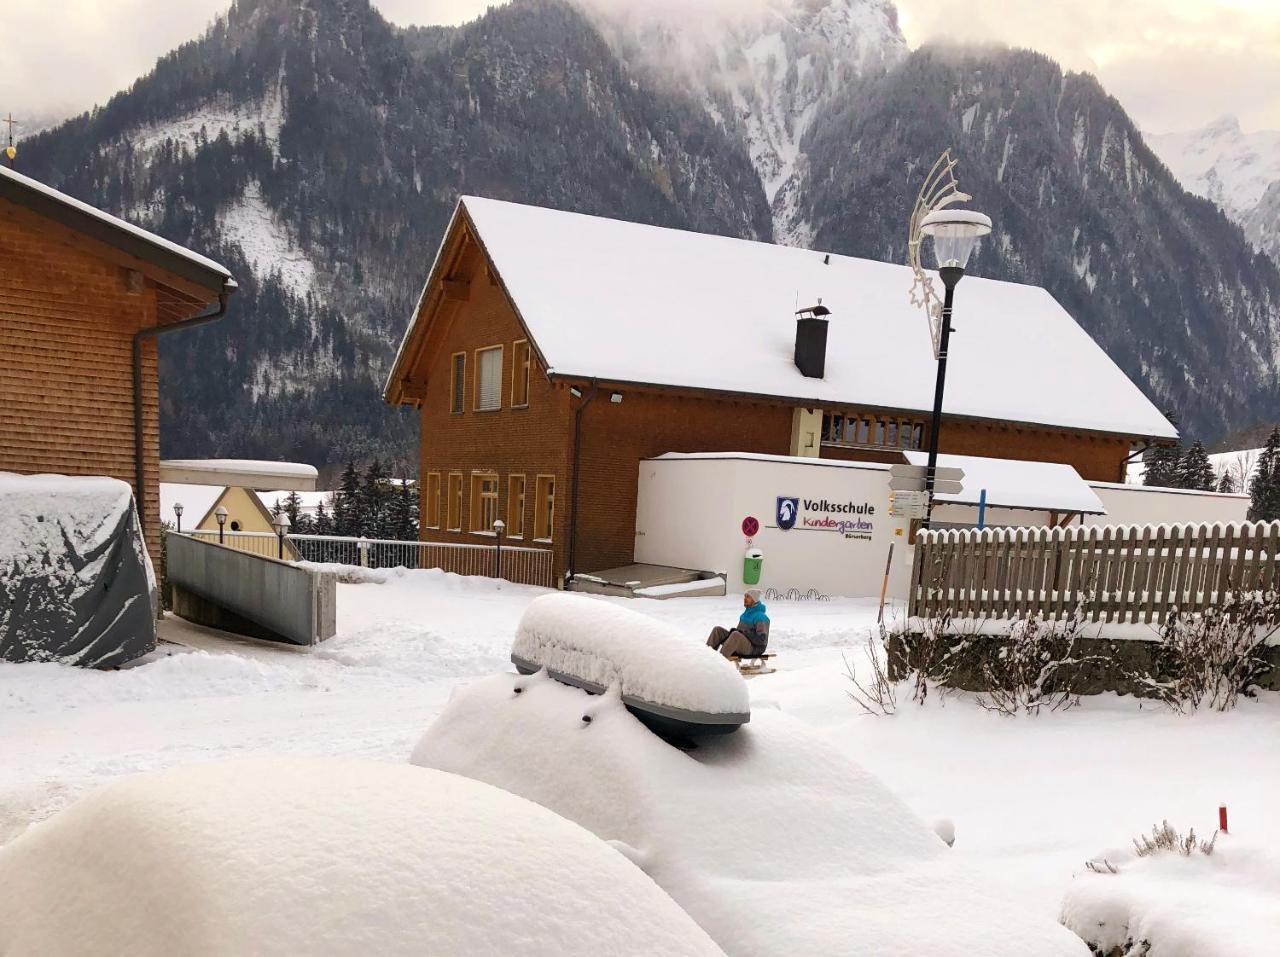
(753, 594)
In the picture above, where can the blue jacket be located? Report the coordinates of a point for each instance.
(754, 623)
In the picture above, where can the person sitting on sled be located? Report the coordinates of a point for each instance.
(750, 636)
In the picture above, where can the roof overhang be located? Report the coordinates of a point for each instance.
(243, 473)
(131, 240)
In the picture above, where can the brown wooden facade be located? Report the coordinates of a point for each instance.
(71, 304)
(467, 454)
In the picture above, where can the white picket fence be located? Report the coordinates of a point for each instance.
(525, 566)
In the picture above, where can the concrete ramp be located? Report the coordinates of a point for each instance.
(249, 594)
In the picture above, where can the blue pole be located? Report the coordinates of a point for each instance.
(982, 509)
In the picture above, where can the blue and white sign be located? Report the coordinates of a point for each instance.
(788, 512)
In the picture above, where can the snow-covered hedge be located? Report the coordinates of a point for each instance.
(294, 857)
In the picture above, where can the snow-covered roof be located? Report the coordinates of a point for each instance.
(115, 231)
(766, 457)
(1160, 489)
(629, 303)
(246, 473)
(1010, 483)
(196, 500)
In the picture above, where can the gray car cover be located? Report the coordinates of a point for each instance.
(76, 583)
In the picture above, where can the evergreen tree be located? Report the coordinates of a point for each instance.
(1162, 461)
(347, 503)
(1264, 489)
(1227, 483)
(375, 502)
(404, 511)
(300, 523)
(1195, 471)
(324, 523)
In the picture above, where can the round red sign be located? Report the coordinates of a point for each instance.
(750, 525)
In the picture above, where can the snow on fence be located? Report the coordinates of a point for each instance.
(1116, 573)
(523, 566)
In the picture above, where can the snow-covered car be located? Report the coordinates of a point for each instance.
(325, 858)
(770, 839)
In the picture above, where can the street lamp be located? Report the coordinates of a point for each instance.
(281, 525)
(955, 234)
(499, 526)
(220, 513)
(177, 513)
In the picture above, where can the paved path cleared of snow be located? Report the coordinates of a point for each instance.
(1031, 798)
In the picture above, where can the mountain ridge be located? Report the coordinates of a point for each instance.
(318, 151)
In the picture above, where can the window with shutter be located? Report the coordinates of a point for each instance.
(458, 384)
(520, 373)
(515, 506)
(433, 500)
(489, 379)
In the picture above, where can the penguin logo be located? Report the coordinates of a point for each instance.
(788, 511)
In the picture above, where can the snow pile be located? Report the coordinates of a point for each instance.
(78, 586)
(325, 858)
(605, 644)
(769, 838)
(1225, 904)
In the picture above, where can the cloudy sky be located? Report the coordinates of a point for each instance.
(1174, 64)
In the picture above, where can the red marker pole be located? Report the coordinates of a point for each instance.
(1222, 818)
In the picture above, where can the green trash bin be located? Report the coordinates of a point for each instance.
(751, 565)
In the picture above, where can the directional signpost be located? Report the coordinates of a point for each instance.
(907, 484)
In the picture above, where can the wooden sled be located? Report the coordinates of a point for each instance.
(751, 665)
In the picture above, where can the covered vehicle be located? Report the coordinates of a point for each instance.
(76, 583)
(769, 838)
(680, 689)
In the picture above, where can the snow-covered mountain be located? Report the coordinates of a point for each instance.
(763, 68)
(1233, 169)
(318, 151)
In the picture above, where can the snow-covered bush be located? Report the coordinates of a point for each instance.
(1176, 895)
(770, 838)
(1164, 837)
(1032, 669)
(326, 859)
(1212, 658)
(876, 693)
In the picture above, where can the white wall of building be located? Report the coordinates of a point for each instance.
(691, 508)
(1148, 505)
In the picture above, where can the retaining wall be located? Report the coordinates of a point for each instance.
(249, 594)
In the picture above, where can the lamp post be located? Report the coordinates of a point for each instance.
(499, 526)
(281, 525)
(177, 513)
(220, 513)
(955, 234)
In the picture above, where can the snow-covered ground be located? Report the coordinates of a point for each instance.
(1032, 798)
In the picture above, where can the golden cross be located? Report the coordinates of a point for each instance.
(11, 122)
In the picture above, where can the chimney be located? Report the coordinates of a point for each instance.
(811, 340)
